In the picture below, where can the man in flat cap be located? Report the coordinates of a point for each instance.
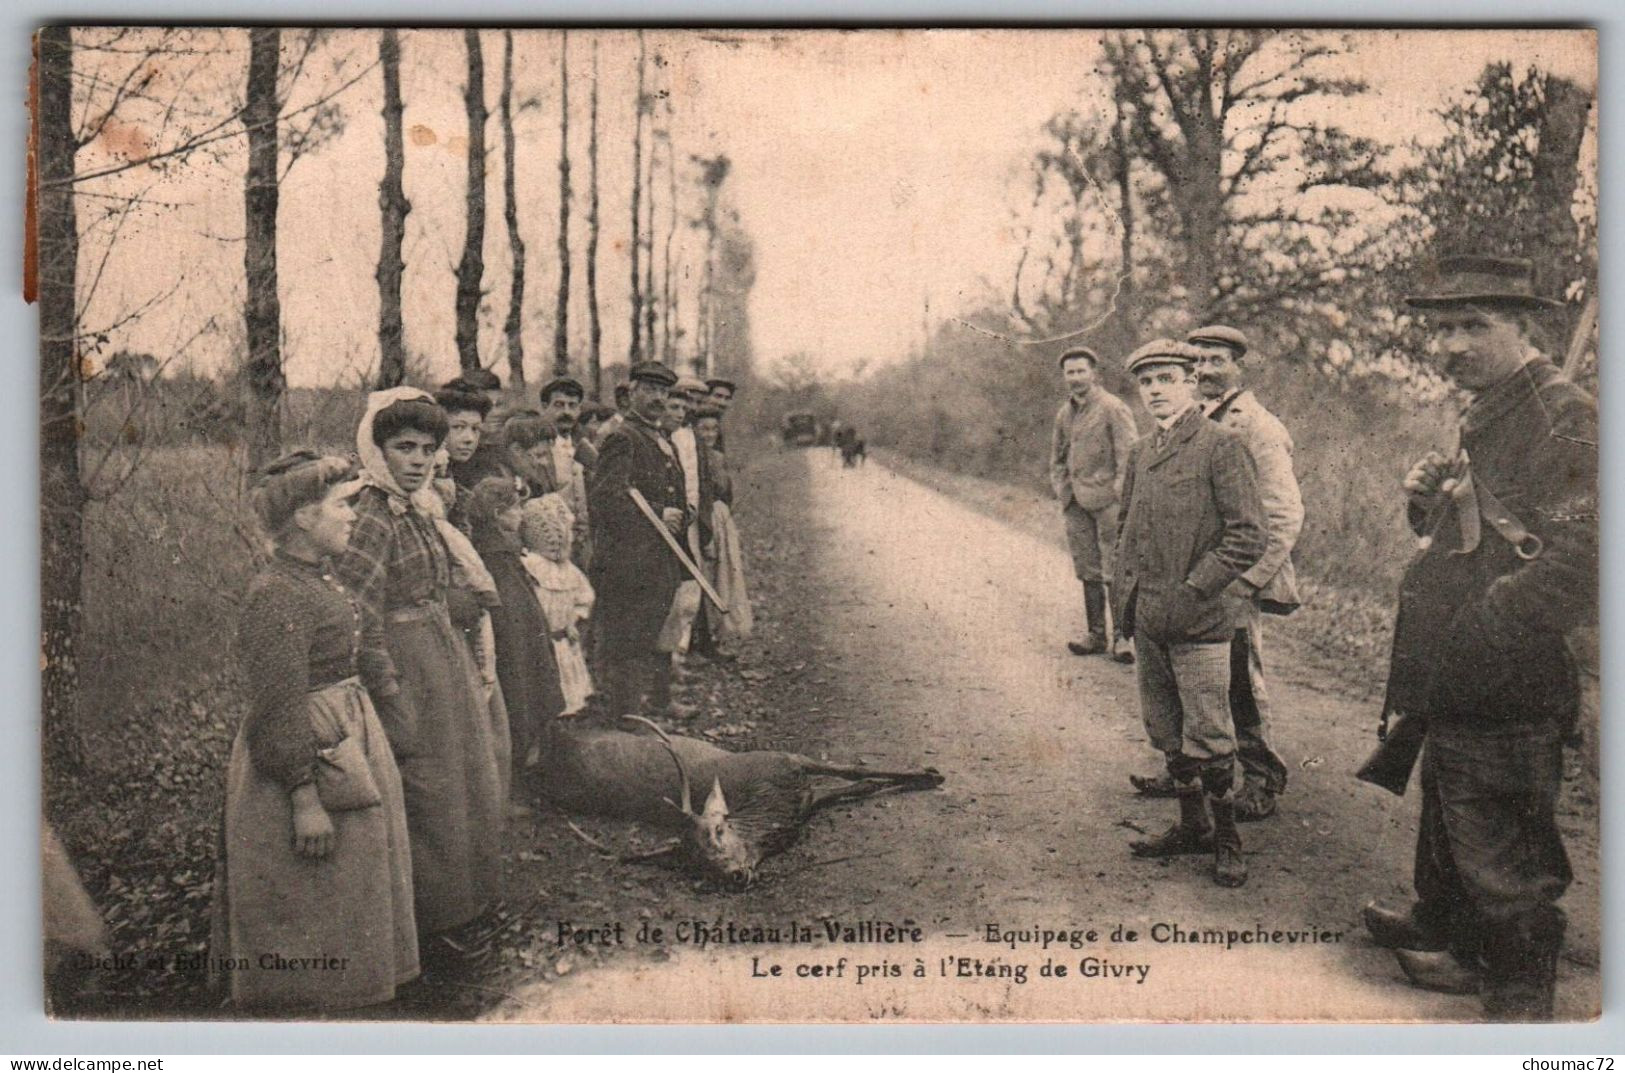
(1507, 525)
(634, 573)
(1192, 524)
(1270, 585)
(1088, 461)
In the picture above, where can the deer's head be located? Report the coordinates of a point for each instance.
(710, 837)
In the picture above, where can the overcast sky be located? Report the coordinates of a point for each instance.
(873, 169)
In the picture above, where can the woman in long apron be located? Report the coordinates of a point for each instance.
(418, 670)
(313, 893)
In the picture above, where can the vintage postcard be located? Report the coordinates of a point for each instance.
(805, 525)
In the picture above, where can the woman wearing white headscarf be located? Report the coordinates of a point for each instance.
(418, 669)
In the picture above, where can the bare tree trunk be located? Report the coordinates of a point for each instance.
(1556, 236)
(708, 297)
(512, 327)
(471, 269)
(62, 493)
(636, 352)
(708, 281)
(595, 332)
(1127, 298)
(668, 287)
(650, 305)
(561, 322)
(392, 207)
(1204, 199)
(262, 310)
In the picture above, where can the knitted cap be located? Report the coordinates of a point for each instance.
(547, 527)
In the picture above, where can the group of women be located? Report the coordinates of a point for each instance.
(371, 732)
(384, 649)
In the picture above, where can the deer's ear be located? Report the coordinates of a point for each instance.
(716, 806)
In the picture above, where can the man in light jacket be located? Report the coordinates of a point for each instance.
(1087, 464)
(1271, 584)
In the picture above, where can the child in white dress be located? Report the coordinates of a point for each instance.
(563, 591)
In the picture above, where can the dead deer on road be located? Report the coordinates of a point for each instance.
(756, 807)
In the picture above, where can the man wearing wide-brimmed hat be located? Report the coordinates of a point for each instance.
(1192, 524)
(1507, 526)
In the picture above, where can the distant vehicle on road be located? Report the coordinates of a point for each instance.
(800, 429)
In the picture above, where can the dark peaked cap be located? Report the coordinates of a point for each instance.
(1078, 352)
(653, 370)
(1508, 282)
(567, 384)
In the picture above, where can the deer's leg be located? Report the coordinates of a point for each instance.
(917, 779)
(869, 783)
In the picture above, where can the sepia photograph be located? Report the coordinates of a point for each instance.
(703, 525)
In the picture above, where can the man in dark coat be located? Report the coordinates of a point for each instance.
(634, 572)
(1192, 524)
(1507, 527)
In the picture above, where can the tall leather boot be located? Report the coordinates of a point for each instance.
(1192, 834)
(1520, 978)
(1094, 611)
(1229, 866)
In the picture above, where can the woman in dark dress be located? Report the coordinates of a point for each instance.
(418, 669)
(316, 868)
(525, 663)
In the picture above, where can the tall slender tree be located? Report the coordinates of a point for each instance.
(1122, 165)
(651, 305)
(595, 331)
(635, 353)
(62, 492)
(471, 269)
(668, 286)
(392, 208)
(713, 173)
(512, 328)
(561, 320)
(262, 308)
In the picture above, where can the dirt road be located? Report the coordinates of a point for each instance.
(936, 634)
